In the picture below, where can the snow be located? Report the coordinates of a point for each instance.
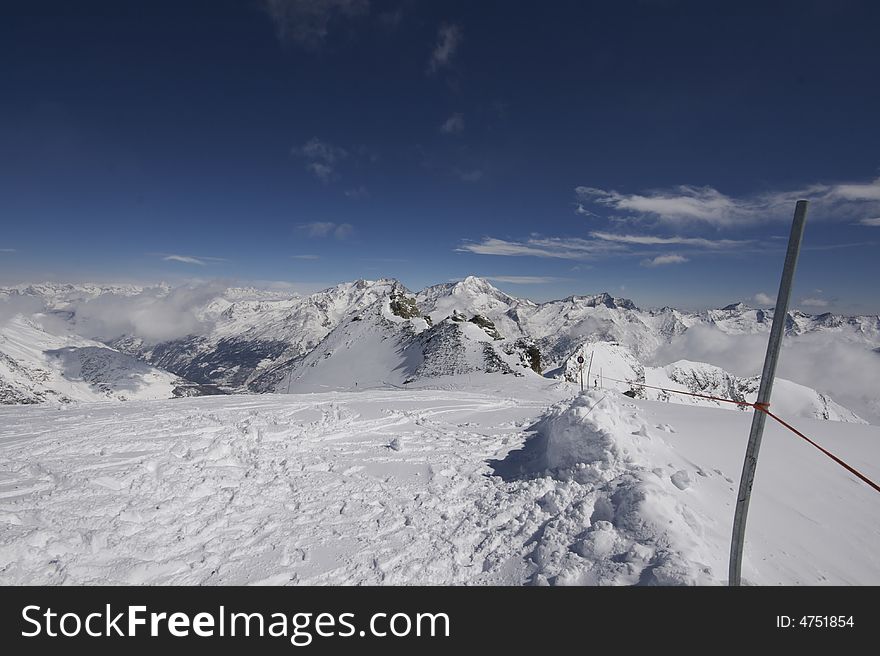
(245, 338)
(401, 450)
(369, 349)
(616, 367)
(480, 479)
(37, 365)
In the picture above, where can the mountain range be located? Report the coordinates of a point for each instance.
(92, 342)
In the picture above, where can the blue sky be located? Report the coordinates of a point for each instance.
(650, 149)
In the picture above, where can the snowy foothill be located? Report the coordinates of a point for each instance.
(467, 479)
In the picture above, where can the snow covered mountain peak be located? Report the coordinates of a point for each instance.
(475, 283)
(470, 287)
(603, 299)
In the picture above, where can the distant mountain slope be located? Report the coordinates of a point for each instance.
(369, 348)
(250, 336)
(615, 367)
(38, 366)
(249, 339)
(384, 346)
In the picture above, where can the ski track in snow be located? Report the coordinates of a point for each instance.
(259, 490)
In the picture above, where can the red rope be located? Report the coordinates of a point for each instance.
(763, 407)
(702, 396)
(840, 462)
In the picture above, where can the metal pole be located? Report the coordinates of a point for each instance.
(777, 331)
(589, 367)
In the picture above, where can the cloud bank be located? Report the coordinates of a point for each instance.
(155, 314)
(553, 247)
(688, 204)
(845, 371)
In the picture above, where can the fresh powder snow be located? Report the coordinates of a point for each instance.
(469, 481)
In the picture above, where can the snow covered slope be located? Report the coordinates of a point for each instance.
(58, 296)
(241, 338)
(370, 348)
(645, 496)
(559, 327)
(473, 296)
(614, 367)
(458, 346)
(249, 336)
(377, 347)
(425, 486)
(38, 366)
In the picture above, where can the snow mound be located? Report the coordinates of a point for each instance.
(620, 515)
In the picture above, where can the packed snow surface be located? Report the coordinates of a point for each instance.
(483, 479)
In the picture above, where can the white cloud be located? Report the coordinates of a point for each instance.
(603, 244)
(454, 124)
(12, 305)
(315, 149)
(552, 247)
(305, 257)
(648, 240)
(526, 280)
(324, 172)
(200, 260)
(764, 299)
(814, 302)
(474, 175)
(857, 191)
(155, 314)
(870, 222)
(317, 228)
(692, 204)
(306, 22)
(7, 250)
(321, 229)
(343, 231)
(321, 158)
(448, 39)
(186, 259)
(661, 260)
